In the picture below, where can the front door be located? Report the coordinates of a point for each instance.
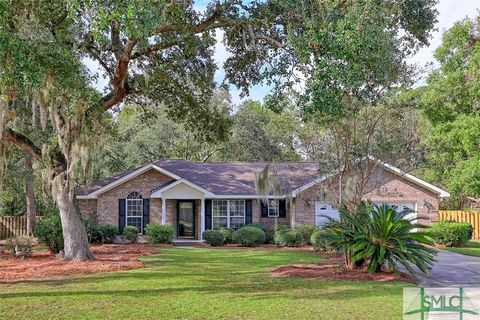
(186, 219)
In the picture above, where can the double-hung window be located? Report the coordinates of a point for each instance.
(273, 208)
(134, 210)
(228, 213)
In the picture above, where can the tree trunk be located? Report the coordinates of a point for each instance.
(76, 246)
(30, 195)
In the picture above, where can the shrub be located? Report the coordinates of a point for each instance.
(269, 233)
(280, 226)
(93, 234)
(288, 238)
(450, 234)
(22, 245)
(319, 240)
(249, 236)
(227, 234)
(381, 235)
(213, 237)
(158, 233)
(255, 225)
(49, 231)
(131, 233)
(306, 231)
(107, 232)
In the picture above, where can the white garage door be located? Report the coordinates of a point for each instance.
(325, 209)
(400, 206)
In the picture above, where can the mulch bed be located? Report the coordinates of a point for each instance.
(42, 264)
(337, 272)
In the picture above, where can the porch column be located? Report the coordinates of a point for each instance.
(202, 217)
(164, 211)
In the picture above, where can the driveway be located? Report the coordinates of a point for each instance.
(452, 270)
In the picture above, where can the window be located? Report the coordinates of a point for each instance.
(228, 213)
(273, 208)
(134, 210)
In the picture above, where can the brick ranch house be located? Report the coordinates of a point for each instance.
(194, 196)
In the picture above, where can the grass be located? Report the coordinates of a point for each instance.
(193, 283)
(471, 249)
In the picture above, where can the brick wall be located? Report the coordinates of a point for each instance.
(383, 186)
(106, 206)
(390, 188)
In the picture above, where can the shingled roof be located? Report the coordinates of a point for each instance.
(222, 178)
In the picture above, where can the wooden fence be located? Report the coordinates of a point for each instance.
(13, 226)
(472, 217)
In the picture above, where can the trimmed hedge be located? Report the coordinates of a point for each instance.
(158, 233)
(227, 234)
(319, 240)
(306, 231)
(131, 233)
(288, 238)
(450, 234)
(249, 236)
(213, 237)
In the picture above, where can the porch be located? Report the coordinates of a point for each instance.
(183, 207)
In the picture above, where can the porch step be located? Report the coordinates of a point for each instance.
(187, 242)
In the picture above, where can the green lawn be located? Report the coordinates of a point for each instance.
(472, 249)
(202, 284)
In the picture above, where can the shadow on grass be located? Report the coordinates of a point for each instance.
(242, 274)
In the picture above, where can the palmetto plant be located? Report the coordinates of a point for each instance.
(380, 235)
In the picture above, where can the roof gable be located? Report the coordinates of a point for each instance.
(223, 179)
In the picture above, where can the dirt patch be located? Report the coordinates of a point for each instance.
(337, 272)
(42, 264)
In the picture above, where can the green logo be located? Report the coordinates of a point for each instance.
(441, 303)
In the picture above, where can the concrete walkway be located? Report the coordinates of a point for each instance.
(451, 270)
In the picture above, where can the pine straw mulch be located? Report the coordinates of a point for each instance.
(108, 257)
(337, 272)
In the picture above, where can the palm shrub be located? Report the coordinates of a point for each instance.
(381, 235)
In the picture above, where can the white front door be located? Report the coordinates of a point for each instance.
(323, 210)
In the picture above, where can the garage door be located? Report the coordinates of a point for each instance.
(400, 206)
(325, 209)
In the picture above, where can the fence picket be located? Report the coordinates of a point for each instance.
(472, 217)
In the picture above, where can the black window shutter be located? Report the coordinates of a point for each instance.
(208, 214)
(121, 215)
(282, 209)
(264, 209)
(248, 211)
(146, 214)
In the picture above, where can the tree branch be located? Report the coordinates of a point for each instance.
(22, 142)
(119, 81)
